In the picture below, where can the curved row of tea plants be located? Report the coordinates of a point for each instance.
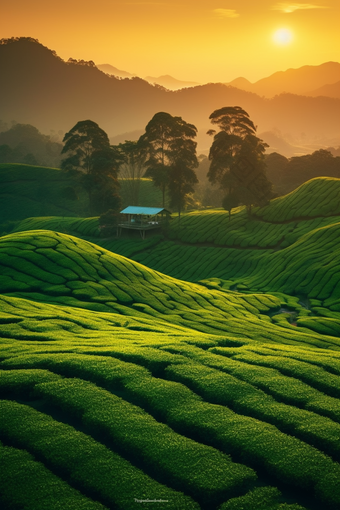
(33, 191)
(122, 386)
(56, 268)
(38, 191)
(130, 389)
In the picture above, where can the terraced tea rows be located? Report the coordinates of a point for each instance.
(317, 197)
(71, 271)
(122, 386)
(142, 401)
(35, 191)
(83, 227)
(28, 191)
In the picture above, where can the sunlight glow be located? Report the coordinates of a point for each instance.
(283, 36)
(288, 8)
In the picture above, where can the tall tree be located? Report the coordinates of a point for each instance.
(87, 149)
(237, 158)
(167, 140)
(182, 175)
(82, 145)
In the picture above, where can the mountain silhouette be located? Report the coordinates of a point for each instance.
(37, 87)
(166, 81)
(109, 69)
(170, 83)
(330, 90)
(294, 81)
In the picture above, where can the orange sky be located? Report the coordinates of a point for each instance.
(197, 40)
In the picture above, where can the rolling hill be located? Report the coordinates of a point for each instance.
(28, 190)
(207, 377)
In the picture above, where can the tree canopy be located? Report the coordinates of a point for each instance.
(87, 148)
(287, 174)
(237, 159)
(171, 156)
(83, 145)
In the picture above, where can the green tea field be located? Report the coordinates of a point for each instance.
(33, 191)
(197, 369)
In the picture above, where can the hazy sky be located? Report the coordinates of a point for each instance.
(197, 40)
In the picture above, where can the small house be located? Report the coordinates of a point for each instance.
(142, 219)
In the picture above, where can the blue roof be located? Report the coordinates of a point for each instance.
(143, 210)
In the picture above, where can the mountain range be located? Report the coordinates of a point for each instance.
(166, 81)
(321, 80)
(39, 88)
(307, 80)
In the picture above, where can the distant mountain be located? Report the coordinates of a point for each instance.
(278, 144)
(109, 69)
(241, 83)
(39, 88)
(294, 81)
(170, 83)
(165, 81)
(329, 90)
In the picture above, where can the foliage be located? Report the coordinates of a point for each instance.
(287, 174)
(108, 221)
(171, 159)
(74, 453)
(237, 157)
(230, 201)
(23, 143)
(124, 384)
(87, 148)
(23, 478)
(82, 144)
(182, 178)
(25, 189)
(173, 457)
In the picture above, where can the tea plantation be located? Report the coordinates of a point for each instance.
(201, 372)
(27, 190)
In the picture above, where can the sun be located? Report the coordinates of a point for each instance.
(283, 36)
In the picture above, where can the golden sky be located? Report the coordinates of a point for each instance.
(196, 40)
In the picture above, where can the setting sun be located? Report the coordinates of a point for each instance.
(283, 36)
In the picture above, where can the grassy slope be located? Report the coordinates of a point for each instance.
(33, 191)
(159, 380)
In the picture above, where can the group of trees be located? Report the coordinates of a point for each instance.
(23, 143)
(166, 153)
(237, 160)
(87, 149)
(171, 157)
(287, 174)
